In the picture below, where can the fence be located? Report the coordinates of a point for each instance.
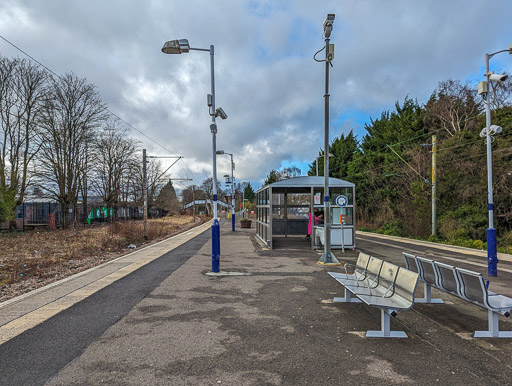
(39, 214)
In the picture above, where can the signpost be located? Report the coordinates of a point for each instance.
(342, 201)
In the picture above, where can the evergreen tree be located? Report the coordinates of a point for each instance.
(167, 199)
(249, 193)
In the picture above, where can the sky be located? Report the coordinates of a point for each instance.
(265, 76)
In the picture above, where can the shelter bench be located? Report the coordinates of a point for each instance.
(465, 284)
(379, 284)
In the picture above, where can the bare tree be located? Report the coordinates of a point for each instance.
(22, 93)
(72, 113)
(111, 160)
(453, 106)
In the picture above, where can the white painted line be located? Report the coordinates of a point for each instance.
(421, 253)
(452, 248)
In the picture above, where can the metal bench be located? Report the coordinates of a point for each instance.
(427, 275)
(400, 299)
(391, 290)
(467, 285)
(362, 279)
(359, 270)
(447, 279)
(474, 290)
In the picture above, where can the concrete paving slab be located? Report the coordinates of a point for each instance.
(47, 301)
(279, 326)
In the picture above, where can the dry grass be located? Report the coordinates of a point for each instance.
(33, 259)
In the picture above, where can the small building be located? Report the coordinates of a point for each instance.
(284, 208)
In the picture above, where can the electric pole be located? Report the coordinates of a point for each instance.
(434, 183)
(145, 193)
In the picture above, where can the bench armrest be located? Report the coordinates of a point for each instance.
(389, 289)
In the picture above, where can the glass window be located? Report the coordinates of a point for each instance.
(278, 213)
(298, 213)
(347, 192)
(278, 199)
(345, 214)
(299, 199)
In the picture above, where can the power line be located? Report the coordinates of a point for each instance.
(61, 78)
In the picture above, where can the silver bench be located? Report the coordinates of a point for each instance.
(391, 290)
(366, 277)
(467, 285)
(427, 276)
(474, 290)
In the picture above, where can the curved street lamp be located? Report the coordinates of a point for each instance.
(487, 132)
(179, 47)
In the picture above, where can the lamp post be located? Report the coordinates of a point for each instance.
(327, 257)
(316, 161)
(220, 152)
(487, 132)
(182, 46)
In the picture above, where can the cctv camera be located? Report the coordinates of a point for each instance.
(221, 113)
(494, 129)
(329, 19)
(498, 77)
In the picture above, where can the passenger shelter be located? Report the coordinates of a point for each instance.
(284, 207)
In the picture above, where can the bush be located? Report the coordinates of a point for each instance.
(466, 222)
(392, 228)
(478, 244)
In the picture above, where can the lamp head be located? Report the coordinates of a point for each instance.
(176, 46)
(219, 152)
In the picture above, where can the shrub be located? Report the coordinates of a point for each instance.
(392, 228)
(466, 222)
(478, 244)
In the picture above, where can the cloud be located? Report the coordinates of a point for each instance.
(266, 79)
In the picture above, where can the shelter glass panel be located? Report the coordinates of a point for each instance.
(298, 213)
(278, 199)
(278, 213)
(347, 192)
(299, 199)
(345, 213)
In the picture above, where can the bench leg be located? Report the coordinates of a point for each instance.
(385, 328)
(347, 299)
(427, 297)
(494, 329)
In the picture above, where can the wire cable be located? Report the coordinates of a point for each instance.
(61, 78)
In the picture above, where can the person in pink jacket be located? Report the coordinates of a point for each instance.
(318, 217)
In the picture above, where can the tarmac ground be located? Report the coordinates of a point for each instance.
(168, 322)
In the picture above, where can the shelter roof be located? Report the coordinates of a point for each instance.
(308, 182)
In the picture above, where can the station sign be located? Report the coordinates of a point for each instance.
(341, 200)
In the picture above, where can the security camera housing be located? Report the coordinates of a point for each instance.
(495, 129)
(498, 77)
(221, 113)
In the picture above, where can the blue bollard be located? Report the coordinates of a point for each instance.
(215, 246)
(492, 254)
(233, 222)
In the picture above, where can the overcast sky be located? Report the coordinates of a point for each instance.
(266, 78)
